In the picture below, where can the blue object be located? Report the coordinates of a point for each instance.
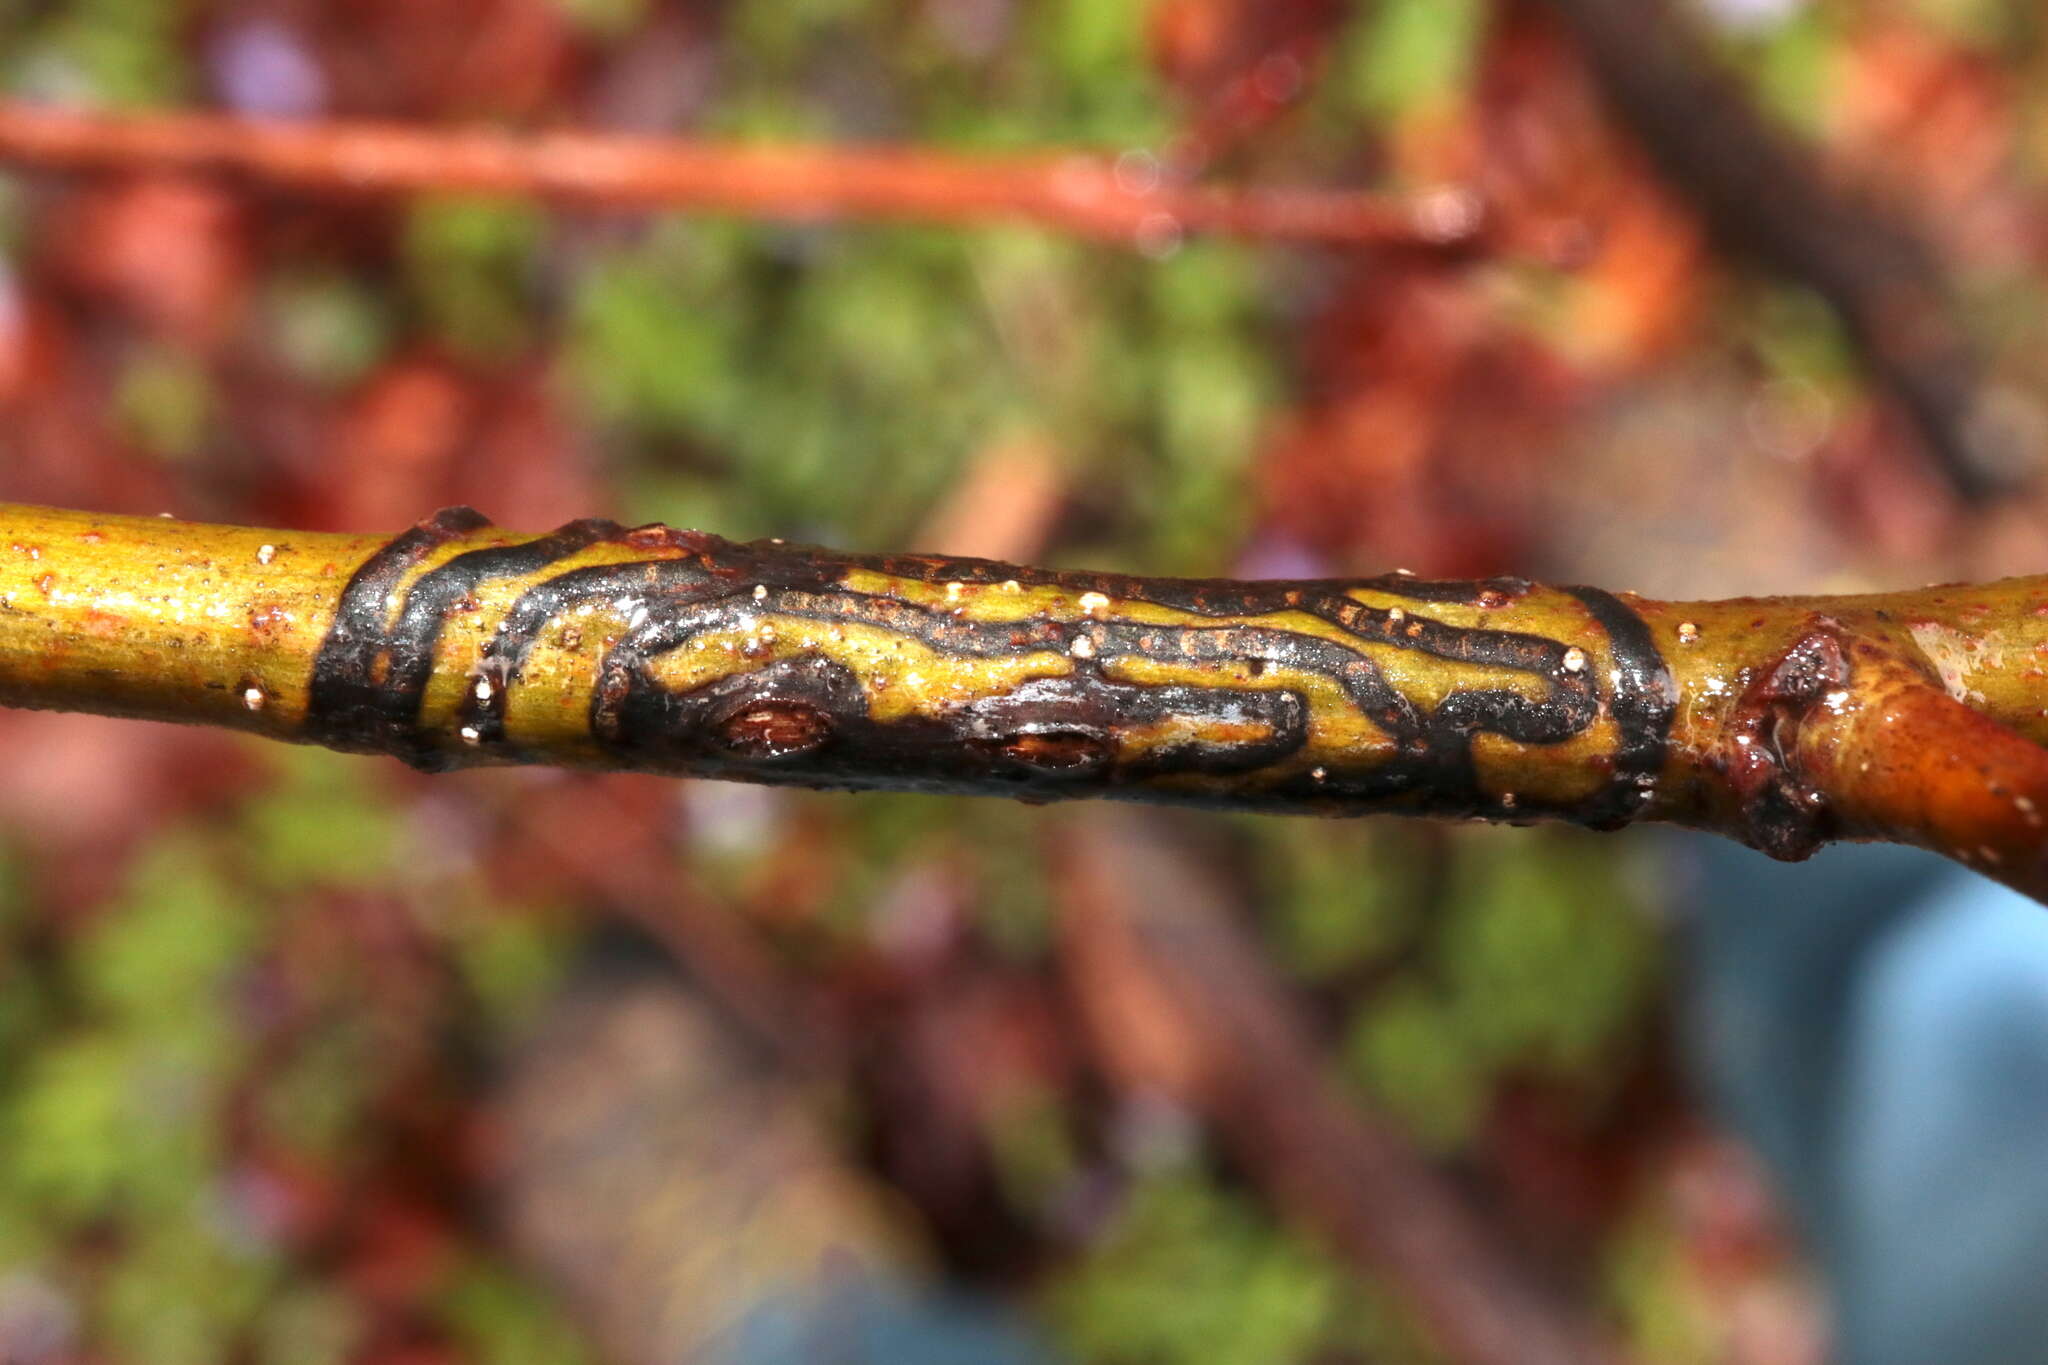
(1875, 1022)
(858, 1320)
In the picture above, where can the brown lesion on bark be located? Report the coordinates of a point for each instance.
(1783, 813)
(776, 729)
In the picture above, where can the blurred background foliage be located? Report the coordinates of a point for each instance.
(256, 1005)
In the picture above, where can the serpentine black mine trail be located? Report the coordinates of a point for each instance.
(783, 664)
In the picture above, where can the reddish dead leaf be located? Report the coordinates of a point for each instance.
(1869, 483)
(1425, 435)
(57, 442)
(525, 459)
(86, 792)
(167, 251)
(428, 59)
(1237, 64)
(1930, 125)
(389, 453)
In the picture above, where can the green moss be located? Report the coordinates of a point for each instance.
(164, 955)
(1015, 905)
(1794, 68)
(327, 328)
(498, 1319)
(24, 991)
(1981, 23)
(121, 53)
(1033, 1150)
(322, 823)
(1340, 897)
(778, 33)
(66, 1120)
(164, 399)
(178, 1297)
(105, 1125)
(1408, 54)
(1405, 1049)
(608, 19)
(468, 265)
(1191, 1275)
(882, 359)
(1546, 952)
(1645, 1265)
(1537, 959)
(314, 1101)
(510, 958)
(1096, 86)
(314, 1325)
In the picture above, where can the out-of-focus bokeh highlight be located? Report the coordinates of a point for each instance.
(312, 1060)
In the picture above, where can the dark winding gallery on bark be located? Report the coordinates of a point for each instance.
(1785, 722)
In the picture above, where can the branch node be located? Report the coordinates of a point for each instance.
(1784, 813)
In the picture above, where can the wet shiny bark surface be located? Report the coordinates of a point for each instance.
(1784, 722)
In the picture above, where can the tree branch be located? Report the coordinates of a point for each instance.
(1075, 192)
(1784, 722)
